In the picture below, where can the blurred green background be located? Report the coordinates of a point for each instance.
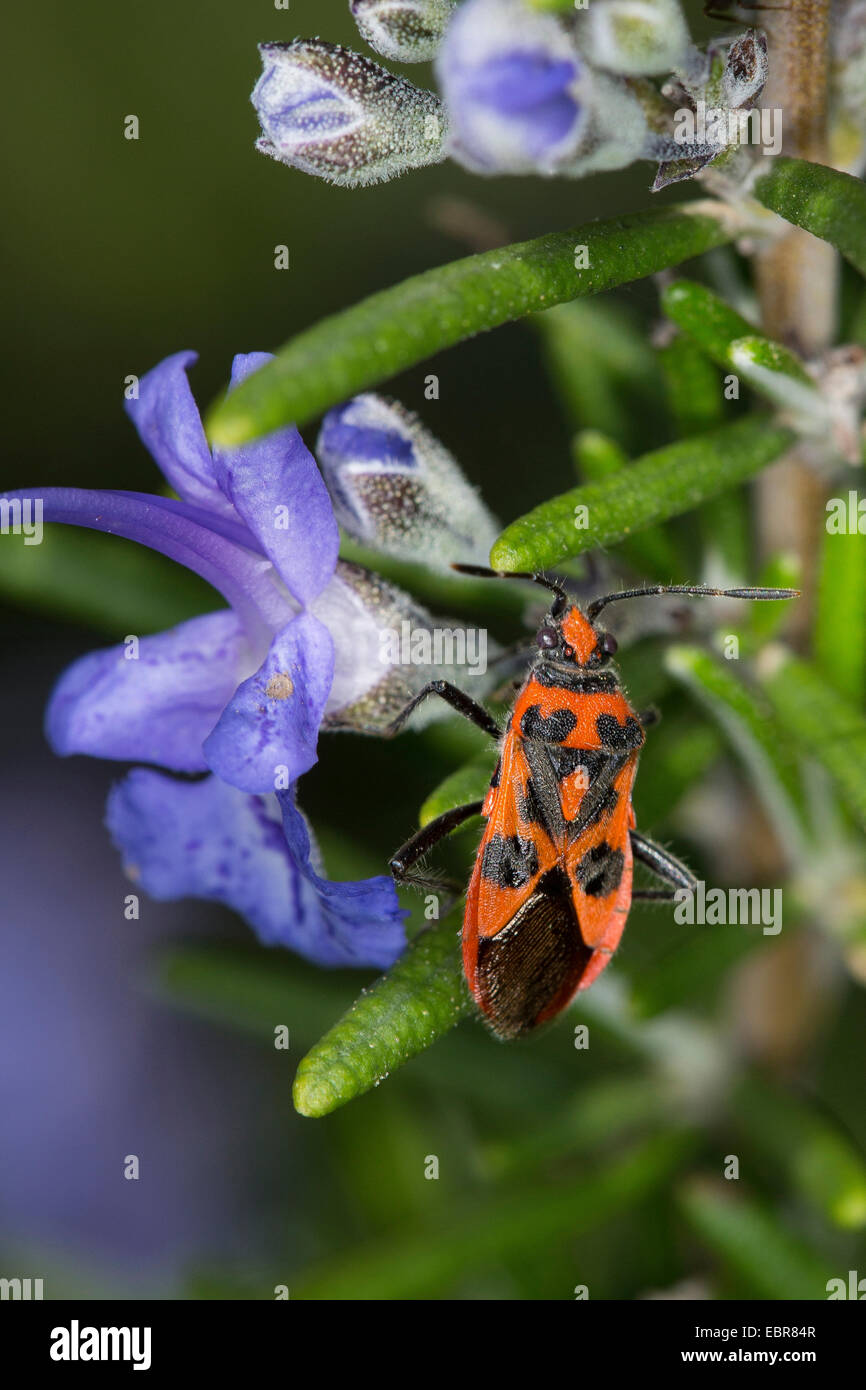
(557, 1167)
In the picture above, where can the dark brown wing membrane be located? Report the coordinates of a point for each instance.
(531, 968)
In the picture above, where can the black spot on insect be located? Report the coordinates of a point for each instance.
(553, 728)
(600, 870)
(509, 861)
(567, 760)
(619, 737)
(497, 773)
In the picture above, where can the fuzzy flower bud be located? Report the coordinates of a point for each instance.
(406, 31)
(747, 67)
(397, 489)
(334, 113)
(397, 647)
(634, 37)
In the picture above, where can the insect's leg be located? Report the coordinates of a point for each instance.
(661, 863)
(423, 841)
(650, 716)
(458, 701)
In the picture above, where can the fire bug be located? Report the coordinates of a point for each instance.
(552, 883)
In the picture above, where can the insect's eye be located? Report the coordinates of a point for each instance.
(608, 644)
(547, 637)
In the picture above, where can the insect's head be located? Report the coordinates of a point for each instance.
(567, 636)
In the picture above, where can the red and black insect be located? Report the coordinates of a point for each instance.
(552, 883)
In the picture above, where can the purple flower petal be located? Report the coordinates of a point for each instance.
(532, 88)
(267, 733)
(279, 492)
(359, 921)
(208, 840)
(185, 534)
(156, 706)
(168, 422)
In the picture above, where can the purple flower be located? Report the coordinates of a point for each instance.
(515, 89)
(241, 692)
(337, 114)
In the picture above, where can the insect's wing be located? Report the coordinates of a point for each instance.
(522, 949)
(599, 866)
(512, 854)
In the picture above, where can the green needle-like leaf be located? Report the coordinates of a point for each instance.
(693, 386)
(370, 342)
(707, 319)
(662, 484)
(774, 372)
(731, 341)
(754, 1243)
(651, 553)
(821, 200)
(825, 725)
(421, 997)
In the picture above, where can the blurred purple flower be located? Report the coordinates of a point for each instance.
(515, 89)
(241, 692)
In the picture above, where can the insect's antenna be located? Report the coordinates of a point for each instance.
(482, 572)
(691, 591)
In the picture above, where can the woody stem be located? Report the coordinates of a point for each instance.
(796, 277)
